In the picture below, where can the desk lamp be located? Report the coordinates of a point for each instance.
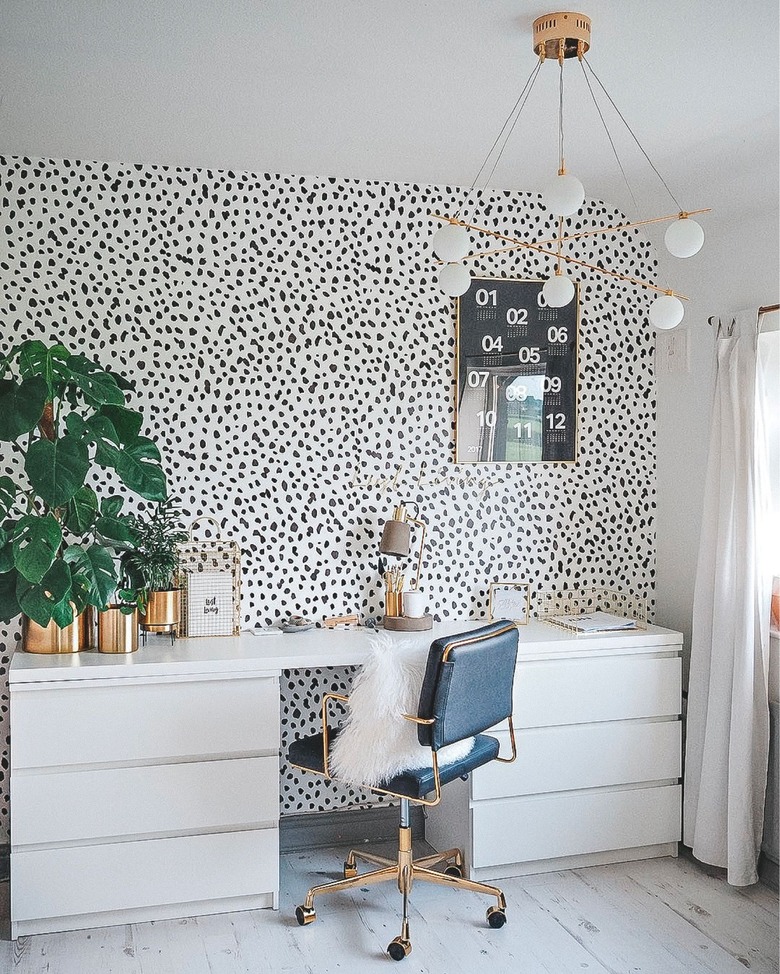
(396, 541)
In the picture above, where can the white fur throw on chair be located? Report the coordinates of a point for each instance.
(376, 742)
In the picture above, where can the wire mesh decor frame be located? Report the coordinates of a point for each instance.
(216, 555)
(551, 606)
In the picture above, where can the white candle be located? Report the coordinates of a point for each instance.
(414, 604)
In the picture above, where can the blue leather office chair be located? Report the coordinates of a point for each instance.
(467, 689)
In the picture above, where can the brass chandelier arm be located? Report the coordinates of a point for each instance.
(584, 233)
(628, 226)
(521, 244)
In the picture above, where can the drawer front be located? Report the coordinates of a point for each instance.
(576, 691)
(582, 756)
(550, 826)
(109, 803)
(83, 724)
(153, 872)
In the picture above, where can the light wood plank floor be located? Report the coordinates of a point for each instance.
(661, 916)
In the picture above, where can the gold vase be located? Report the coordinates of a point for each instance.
(52, 639)
(163, 611)
(117, 631)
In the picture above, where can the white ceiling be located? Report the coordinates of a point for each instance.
(408, 90)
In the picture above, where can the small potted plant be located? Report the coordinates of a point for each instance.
(63, 417)
(151, 567)
(118, 622)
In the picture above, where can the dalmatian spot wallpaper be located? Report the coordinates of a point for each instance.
(295, 360)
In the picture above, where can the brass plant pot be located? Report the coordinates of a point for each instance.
(117, 631)
(163, 611)
(51, 639)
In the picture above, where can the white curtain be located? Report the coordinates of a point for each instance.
(728, 711)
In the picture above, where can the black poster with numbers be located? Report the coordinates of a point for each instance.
(517, 375)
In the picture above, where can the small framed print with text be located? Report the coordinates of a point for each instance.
(510, 600)
(516, 399)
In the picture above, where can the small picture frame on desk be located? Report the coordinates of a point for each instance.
(510, 600)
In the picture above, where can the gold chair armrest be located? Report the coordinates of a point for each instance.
(514, 744)
(425, 721)
(325, 736)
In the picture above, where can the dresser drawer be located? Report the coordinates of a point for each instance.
(148, 873)
(582, 756)
(86, 724)
(112, 802)
(550, 826)
(576, 691)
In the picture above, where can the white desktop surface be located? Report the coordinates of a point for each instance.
(265, 654)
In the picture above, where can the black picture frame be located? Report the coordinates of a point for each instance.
(517, 375)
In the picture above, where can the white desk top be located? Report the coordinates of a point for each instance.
(269, 655)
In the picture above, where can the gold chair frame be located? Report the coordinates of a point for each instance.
(405, 868)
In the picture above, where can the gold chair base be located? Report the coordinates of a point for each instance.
(404, 870)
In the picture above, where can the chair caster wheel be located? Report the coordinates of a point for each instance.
(496, 917)
(399, 948)
(304, 915)
(453, 870)
(349, 871)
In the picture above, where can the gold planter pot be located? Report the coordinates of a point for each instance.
(52, 639)
(117, 631)
(163, 611)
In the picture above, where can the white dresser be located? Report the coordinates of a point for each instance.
(146, 786)
(596, 778)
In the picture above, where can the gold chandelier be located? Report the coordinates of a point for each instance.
(561, 36)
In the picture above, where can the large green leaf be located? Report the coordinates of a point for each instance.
(44, 600)
(98, 386)
(8, 492)
(75, 425)
(40, 601)
(96, 570)
(35, 359)
(138, 471)
(9, 604)
(62, 612)
(80, 589)
(126, 422)
(36, 541)
(116, 532)
(57, 469)
(81, 511)
(111, 505)
(100, 430)
(21, 406)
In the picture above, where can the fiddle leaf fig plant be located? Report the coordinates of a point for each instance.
(64, 416)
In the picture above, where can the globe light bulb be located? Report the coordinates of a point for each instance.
(666, 312)
(450, 242)
(684, 237)
(454, 279)
(558, 291)
(564, 194)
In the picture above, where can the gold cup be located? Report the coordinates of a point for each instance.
(117, 631)
(163, 611)
(51, 639)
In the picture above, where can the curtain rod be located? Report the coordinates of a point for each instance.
(767, 308)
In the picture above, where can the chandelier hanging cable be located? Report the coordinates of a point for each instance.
(562, 36)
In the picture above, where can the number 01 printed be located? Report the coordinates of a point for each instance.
(517, 375)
